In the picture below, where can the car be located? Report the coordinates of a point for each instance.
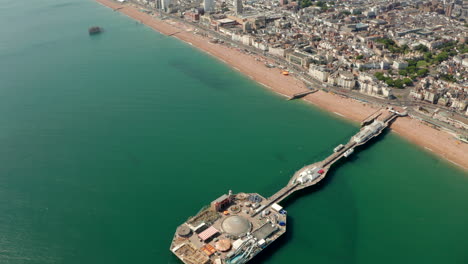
(321, 171)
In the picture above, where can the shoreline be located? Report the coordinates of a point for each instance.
(440, 143)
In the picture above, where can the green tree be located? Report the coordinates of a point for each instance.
(390, 82)
(380, 76)
(403, 72)
(321, 3)
(359, 57)
(411, 69)
(412, 62)
(407, 81)
(421, 63)
(398, 83)
(422, 48)
(448, 77)
(306, 3)
(422, 72)
(427, 56)
(441, 56)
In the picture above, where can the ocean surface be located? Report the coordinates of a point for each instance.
(108, 143)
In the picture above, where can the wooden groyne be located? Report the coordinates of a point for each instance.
(300, 95)
(172, 34)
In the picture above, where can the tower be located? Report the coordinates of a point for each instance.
(209, 5)
(238, 6)
(165, 4)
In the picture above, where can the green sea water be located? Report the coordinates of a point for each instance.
(108, 143)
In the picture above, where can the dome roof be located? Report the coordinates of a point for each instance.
(236, 225)
(223, 245)
(184, 231)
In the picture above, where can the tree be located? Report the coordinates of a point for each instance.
(422, 48)
(306, 3)
(407, 81)
(390, 82)
(321, 3)
(380, 76)
(422, 72)
(411, 69)
(405, 48)
(421, 63)
(428, 56)
(448, 77)
(403, 72)
(411, 62)
(441, 56)
(398, 83)
(359, 57)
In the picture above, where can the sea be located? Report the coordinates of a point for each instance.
(109, 142)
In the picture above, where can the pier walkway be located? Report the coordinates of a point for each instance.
(312, 174)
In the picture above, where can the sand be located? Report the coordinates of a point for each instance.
(440, 143)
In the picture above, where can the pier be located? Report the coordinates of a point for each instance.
(371, 117)
(235, 227)
(312, 174)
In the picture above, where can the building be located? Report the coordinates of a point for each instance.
(209, 5)
(277, 51)
(192, 16)
(369, 131)
(430, 97)
(165, 4)
(238, 8)
(222, 202)
(346, 80)
(299, 58)
(368, 85)
(399, 65)
(319, 73)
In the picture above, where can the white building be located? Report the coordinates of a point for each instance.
(209, 5)
(465, 62)
(369, 85)
(399, 65)
(238, 6)
(280, 52)
(319, 73)
(368, 131)
(346, 80)
(247, 40)
(165, 4)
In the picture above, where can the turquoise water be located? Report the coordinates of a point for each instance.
(109, 142)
